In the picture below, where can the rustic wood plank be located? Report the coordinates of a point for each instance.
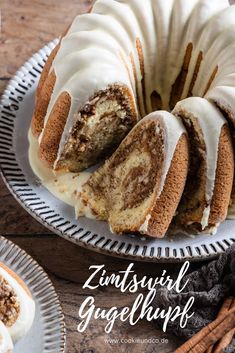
(94, 338)
(14, 219)
(27, 26)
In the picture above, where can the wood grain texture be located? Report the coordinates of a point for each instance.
(13, 218)
(27, 26)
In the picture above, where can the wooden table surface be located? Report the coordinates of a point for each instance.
(27, 26)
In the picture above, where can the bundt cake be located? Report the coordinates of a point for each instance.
(206, 197)
(17, 307)
(124, 60)
(138, 189)
(114, 66)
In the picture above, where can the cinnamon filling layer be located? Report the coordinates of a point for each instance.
(138, 166)
(42, 103)
(9, 304)
(100, 126)
(193, 200)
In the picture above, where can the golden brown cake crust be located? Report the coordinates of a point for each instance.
(165, 208)
(55, 126)
(44, 91)
(224, 178)
(99, 128)
(45, 71)
(42, 103)
(80, 148)
(193, 201)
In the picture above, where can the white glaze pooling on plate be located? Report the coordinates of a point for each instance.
(164, 30)
(27, 307)
(64, 186)
(211, 121)
(6, 344)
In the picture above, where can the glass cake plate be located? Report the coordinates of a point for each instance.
(17, 106)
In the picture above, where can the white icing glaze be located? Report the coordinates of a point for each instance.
(6, 344)
(181, 14)
(164, 29)
(211, 121)
(202, 14)
(214, 43)
(224, 97)
(27, 307)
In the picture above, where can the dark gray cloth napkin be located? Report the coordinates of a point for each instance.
(209, 285)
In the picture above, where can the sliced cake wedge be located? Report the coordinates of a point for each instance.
(139, 187)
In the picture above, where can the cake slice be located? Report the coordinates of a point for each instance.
(17, 307)
(138, 189)
(206, 198)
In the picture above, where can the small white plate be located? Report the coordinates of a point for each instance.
(15, 115)
(47, 334)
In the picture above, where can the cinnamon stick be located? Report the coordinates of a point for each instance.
(210, 334)
(224, 308)
(225, 341)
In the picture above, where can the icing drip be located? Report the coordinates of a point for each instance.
(111, 38)
(211, 121)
